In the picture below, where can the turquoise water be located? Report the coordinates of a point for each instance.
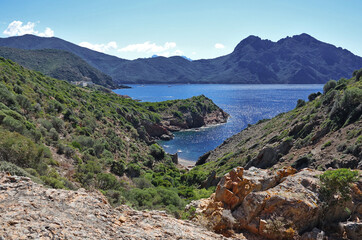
(246, 104)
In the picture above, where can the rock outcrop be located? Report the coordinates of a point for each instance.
(31, 211)
(281, 204)
(194, 120)
(189, 120)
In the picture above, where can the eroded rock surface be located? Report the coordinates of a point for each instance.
(31, 211)
(281, 204)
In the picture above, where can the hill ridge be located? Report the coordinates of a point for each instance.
(297, 59)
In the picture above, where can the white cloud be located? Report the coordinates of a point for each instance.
(16, 28)
(164, 54)
(178, 52)
(148, 47)
(99, 47)
(47, 33)
(219, 46)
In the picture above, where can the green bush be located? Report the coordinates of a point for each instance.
(331, 84)
(157, 151)
(133, 170)
(118, 168)
(312, 96)
(53, 182)
(18, 149)
(23, 102)
(142, 183)
(153, 198)
(300, 103)
(6, 96)
(337, 183)
(357, 74)
(53, 134)
(13, 169)
(194, 177)
(13, 125)
(107, 181)
(85, 142)
(58, 124)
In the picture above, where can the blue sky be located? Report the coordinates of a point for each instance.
(196, 29)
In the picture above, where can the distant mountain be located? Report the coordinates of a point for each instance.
(297, 59)
(58, 64)
(154, 56)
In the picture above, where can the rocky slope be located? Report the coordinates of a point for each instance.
(31, 211)
(297, 59)
(283, 204)
(58, 64)
(324, 132)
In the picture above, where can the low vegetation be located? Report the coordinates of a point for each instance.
(68, 137)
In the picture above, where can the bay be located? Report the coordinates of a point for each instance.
(246, 104)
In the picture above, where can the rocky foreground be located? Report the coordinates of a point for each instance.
(283, 204)
(247, 204)
(31, 211)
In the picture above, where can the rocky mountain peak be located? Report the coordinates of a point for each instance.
(254, 41)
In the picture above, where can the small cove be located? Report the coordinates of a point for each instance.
(246, 104)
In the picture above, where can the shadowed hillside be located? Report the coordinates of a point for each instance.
(58, 64)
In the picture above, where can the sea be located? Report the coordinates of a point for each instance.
(246, 104)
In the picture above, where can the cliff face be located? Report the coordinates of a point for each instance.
(31, 211)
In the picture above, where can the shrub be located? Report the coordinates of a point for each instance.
(99, 148)
(53, 182)
(23, 102)
(300, 103)
(133, 170)
(152, 198)
(13, 169)
(13, 124)
(118, 168)
(18, 149)
(46, 124)
(107, 181)
(329, 86)
(312, 96)
(85, 142)
(53, 134)
(337, 183)
(18, 89)
(142, 183)
(6, 97)
(357, 74)
(194, 177)
(326, 144)
(68, 152)
(157, 151)
(58, 124)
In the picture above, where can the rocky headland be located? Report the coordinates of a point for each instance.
(177, 115)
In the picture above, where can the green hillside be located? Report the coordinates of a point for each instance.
(68, 137)
(58, 64)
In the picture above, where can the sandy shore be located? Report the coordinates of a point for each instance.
(186, 163)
